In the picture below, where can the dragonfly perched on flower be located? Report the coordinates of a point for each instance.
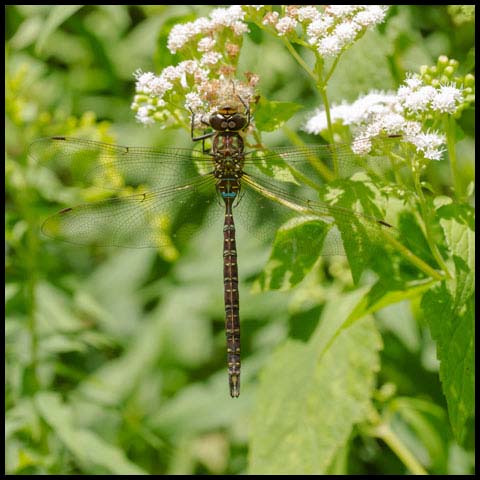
(173, 185)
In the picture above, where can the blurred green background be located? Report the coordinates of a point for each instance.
(115, 358)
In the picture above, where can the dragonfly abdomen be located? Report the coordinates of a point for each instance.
(232, 317)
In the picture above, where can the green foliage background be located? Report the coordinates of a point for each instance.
(115, 358)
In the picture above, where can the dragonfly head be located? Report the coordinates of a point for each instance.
(228, 118)
(227, 110)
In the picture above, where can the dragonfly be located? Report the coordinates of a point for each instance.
(156, 194)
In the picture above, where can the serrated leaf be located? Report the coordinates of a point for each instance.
(86, 446)
(296, 248)
(311, 395)
(363, 247)
(449, 310)
(271, 115)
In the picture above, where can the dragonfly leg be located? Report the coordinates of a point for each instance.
(239, 198)
(192, 131)
(247, 111)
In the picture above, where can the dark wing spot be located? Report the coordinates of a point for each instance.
(385, 224)
(58, 138)
(65, 210)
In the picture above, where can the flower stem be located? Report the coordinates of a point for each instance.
(428, 234)
(384, 432)
(300, 60)
(316, 162)
(322, 87)
(332, 68)
(449, 125)
(412, 258)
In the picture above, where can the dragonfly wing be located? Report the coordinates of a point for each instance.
(147, 219)
(319, 159)
(113, 166)
(350, 232)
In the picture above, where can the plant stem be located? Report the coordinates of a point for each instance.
(425, 215)
(30, 253)
(392, 156)
(424, 211)
(322, 87)
(300, 60)
(316, 162)
(384, 432)
(412, 258)
(449, 125)
(332, 68)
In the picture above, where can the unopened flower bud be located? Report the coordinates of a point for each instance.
(442, 61)
(469, 80)
(449, 71)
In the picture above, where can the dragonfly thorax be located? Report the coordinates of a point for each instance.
(228, 167)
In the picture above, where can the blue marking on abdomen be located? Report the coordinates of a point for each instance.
(229, 194)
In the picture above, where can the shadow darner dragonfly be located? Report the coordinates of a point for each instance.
(161, 191)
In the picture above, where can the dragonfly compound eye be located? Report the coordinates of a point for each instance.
(237, 122)
(217, 122)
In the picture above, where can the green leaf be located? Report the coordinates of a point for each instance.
(311, 395)
(382, 295)
(296, 248)
(11, 289)
(363, 244)
(270, 115)
(55, 311)
(57, 15)
(449, 310)
(27, 32)
(86, 446)
(273, 166)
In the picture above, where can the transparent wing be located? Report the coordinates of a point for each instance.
(113, 166)
(320, 159)
(265, 204)
(169, 201)
(142, 220)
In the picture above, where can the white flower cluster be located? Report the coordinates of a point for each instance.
(331, 29)
(202, 94)
(152, 90)
(219, 19)
(215, 43)
(416, 97)
(395, 113)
